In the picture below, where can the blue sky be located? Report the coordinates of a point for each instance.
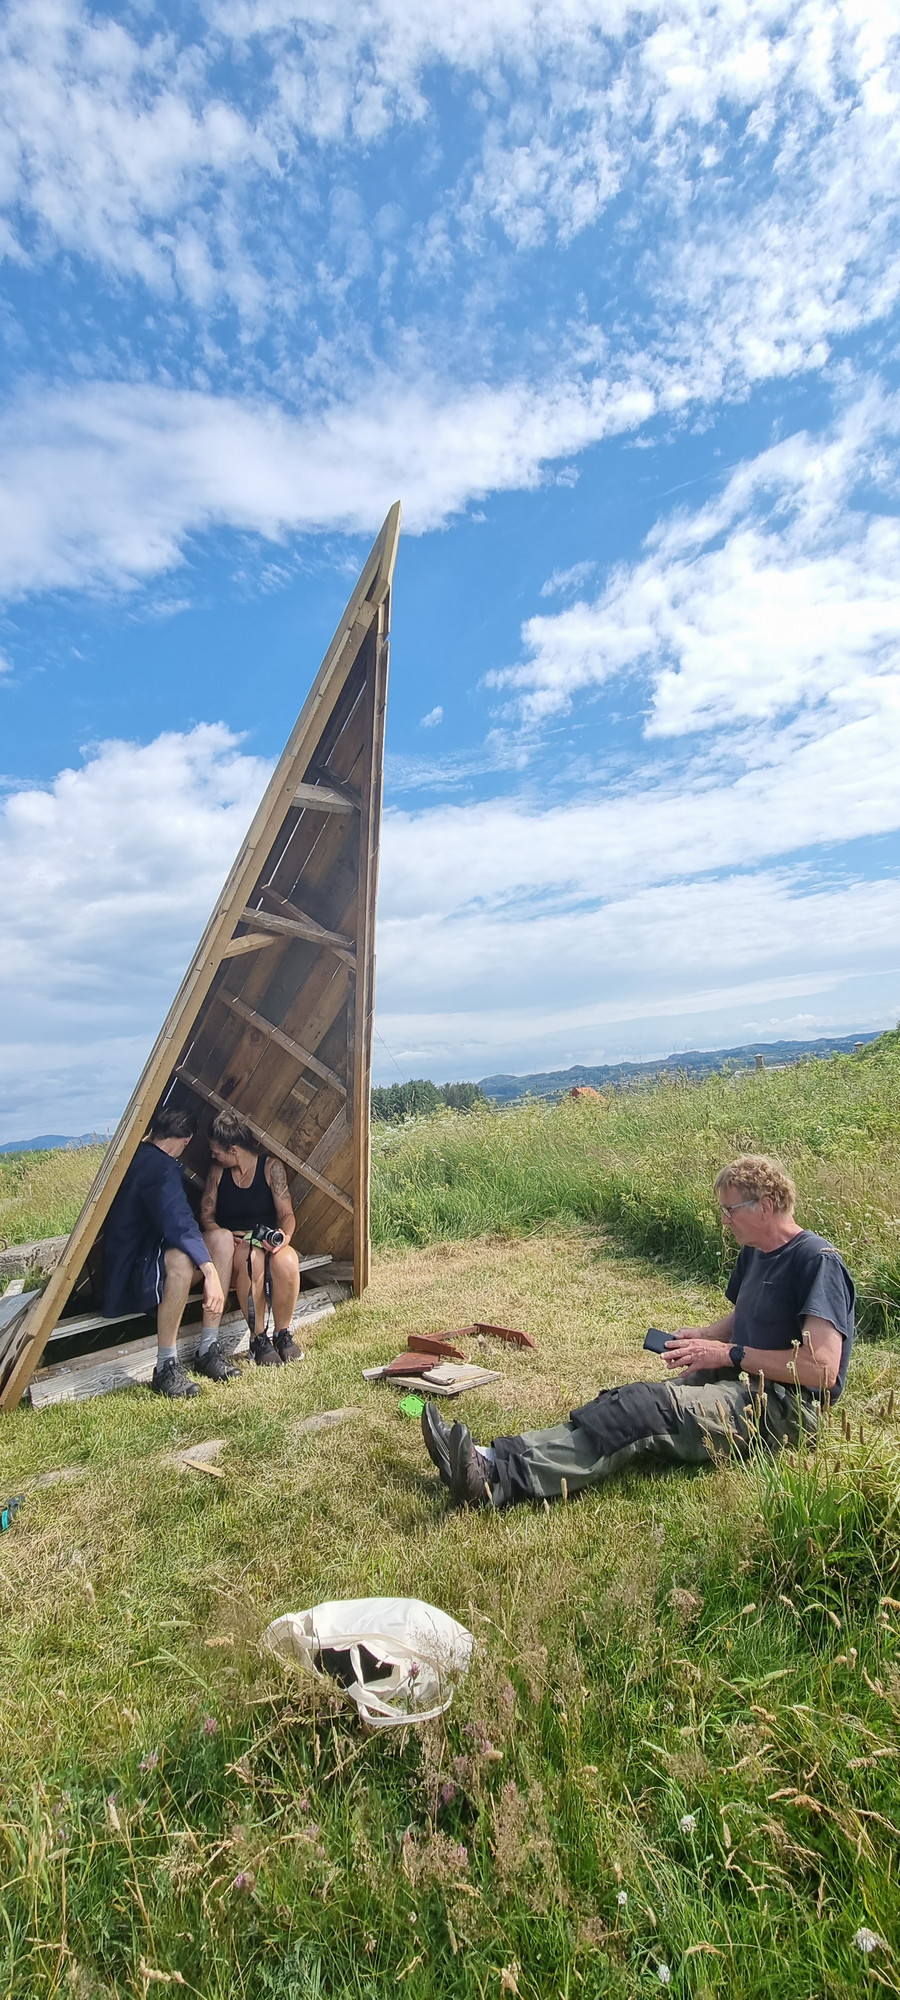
(607, 295)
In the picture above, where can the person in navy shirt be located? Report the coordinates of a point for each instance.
(153, 1253)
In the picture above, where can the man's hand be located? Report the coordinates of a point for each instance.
(689, 1350)
(213, 1295)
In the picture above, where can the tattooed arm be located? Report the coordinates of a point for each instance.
(210, 1197)
(277, 1179)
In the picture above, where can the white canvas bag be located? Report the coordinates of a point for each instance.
(397, 1658)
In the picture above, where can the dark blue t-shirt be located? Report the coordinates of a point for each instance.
(773, 1291)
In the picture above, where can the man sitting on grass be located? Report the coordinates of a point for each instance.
(153, 1252)
(790, 1331)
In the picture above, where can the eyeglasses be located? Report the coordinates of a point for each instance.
(728, 1208)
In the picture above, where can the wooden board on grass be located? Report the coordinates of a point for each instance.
(274, 1015)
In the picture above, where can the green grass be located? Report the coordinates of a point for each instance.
(41, 1193)
(176, 1808)
(643, 1163)
(686, 1691)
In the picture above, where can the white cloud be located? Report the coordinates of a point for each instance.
(763, 141)
(779, 595)
(118, 147)
(433, 718)
(507, 936)
(103, 484)
(109, 876)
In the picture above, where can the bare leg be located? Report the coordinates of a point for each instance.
(180, 1275)
(221, 1246)
(284, 1265)
(240, 1282)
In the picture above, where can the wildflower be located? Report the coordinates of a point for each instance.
(622, 1898)
(149, 1762)
(868, 1940)
(664, 1974)
(209, 1726)
(448, 1794)
(688, 1823)
(244, 1879)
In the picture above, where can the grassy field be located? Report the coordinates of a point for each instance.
(674, 1761)
(643, 1163)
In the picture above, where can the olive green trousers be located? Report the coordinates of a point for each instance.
(705, 1418)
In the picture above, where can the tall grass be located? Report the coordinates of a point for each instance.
(41, 1193)
(642, 1165)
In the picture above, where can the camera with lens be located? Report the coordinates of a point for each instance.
(262, 1238)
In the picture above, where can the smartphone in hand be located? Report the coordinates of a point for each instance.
(656, 1340)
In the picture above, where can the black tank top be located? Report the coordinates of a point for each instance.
(240, 1208)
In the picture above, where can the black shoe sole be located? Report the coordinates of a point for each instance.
(436, 1446)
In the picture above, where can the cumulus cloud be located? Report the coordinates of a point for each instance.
(109, 875)
(507, 935)
(778, 596)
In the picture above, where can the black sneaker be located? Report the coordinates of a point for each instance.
(171, 1380)
(437, 1441)
(286, 1346)
(263, 1352)
(213, 1364)
(469, 1484)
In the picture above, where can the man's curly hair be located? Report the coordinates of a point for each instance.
(756, 1177)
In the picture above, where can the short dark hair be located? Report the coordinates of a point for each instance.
(228, 1130)
(173, 1122)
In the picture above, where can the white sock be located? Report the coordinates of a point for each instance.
(487, 1452)
(208, 1338)
(165, 1354)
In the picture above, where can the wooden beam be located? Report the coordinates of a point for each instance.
(251, 941)
(301, 926)
(361, 1028)
(324, 798)
(339, 786)
(284, 1041)
(265, 1139)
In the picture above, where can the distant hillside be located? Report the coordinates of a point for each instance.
(49, 1141)
(698, 1062)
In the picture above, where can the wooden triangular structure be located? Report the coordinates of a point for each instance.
(274, 1015)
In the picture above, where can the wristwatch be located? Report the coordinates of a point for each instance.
(736, 1356)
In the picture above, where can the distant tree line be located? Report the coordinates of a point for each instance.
(393, 1101)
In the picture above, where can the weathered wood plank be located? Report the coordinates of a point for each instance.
(251, 941)
(283, 1041)
(298, 924)
(324, 798)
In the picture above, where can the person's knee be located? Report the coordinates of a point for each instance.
(219, 1242)
(287, 1261)
(180, 1268)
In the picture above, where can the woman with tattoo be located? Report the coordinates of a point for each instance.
(247, 1190)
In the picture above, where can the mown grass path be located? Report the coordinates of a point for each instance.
(674, 1762)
